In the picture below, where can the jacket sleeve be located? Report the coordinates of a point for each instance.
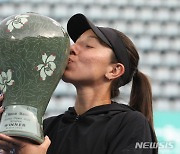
(131, 135)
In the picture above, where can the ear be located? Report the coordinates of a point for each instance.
(114, 71)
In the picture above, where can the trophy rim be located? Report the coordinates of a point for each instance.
(27, 136)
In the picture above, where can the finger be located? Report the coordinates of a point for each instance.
(9, 143)
(1, 109)
(12, 140)
(1, 97)
(6, 146)
(46, 143)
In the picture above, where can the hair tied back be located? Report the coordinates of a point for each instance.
(136, 73)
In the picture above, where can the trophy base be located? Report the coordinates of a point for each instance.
(21, 121)
(25, 136)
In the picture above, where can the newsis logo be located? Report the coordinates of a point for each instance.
(154, 145)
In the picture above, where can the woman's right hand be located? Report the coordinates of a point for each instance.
(28, 148)
(11, 144)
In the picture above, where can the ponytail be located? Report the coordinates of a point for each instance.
(141, 96)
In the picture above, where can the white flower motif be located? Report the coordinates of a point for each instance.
(48, 67)
(18, 22)
(5, 80)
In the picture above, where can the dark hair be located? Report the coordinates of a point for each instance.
(141, 94)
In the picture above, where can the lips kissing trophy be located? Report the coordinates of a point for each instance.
(34, 52)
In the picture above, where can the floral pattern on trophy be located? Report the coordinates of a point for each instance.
(17, 23)
(48, 67)
(6, 80)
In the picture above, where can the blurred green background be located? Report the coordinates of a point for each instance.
(167, 126)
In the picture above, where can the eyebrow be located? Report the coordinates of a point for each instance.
(91, 36)
(99, 40)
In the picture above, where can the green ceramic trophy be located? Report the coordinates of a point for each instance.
(34, 52)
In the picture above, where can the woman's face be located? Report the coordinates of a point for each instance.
(88, 61)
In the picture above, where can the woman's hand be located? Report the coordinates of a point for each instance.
(29, 148)
(22, 147)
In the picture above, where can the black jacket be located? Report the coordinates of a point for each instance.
(106, 129)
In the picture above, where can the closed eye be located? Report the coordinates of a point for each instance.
(88, 46)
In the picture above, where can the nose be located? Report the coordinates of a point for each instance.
(73, 49)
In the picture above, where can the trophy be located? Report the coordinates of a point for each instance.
(34, 52)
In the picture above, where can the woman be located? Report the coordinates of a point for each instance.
(101, 60)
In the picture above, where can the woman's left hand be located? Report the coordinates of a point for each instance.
(22, 147)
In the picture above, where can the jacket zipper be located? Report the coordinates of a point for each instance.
(77, 118)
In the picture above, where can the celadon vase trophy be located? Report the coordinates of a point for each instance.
(34, 52)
